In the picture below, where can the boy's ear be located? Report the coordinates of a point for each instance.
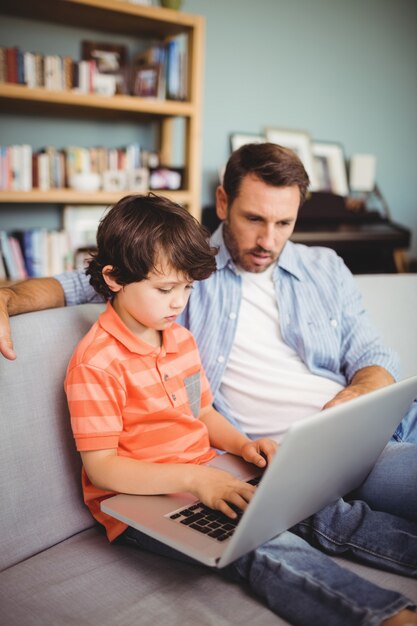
(111, 283)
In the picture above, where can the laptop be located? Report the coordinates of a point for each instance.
(320, 459)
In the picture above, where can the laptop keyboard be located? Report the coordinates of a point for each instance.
(208, 521)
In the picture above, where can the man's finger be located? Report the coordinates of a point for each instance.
(6, 349)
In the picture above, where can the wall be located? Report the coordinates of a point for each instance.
(346, 71)
(343, 70)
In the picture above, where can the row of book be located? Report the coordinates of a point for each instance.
(160, 72)
(34, 253)
(22, 169)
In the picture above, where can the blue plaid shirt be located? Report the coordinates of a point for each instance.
(320, 311)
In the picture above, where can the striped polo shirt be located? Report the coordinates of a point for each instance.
(144, 401)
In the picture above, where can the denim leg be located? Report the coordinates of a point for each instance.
(298, 583)
(392, 484)
(407, 429)
(305, 587)
(373, 537)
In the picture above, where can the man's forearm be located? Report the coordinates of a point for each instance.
(32, 295)
(365, 380)
(29, 295)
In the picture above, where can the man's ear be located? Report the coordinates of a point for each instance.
(221, 203)
(111, 283)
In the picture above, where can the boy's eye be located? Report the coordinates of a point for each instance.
(189, 286)
(162, 290)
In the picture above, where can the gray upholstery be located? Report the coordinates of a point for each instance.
(58, 567)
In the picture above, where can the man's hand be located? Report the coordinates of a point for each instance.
(365, 380)
(6, 343)
(259, 452)
(218, 489)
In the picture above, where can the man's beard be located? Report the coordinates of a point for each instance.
(240, 259)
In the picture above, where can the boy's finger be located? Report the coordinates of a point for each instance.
(254, 457)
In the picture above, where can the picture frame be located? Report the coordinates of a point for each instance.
(300, 142)
(237, 140)
(146, 81)
(330, 167)
(111, 59)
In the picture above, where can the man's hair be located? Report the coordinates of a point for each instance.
(134, 233)
(272, 164)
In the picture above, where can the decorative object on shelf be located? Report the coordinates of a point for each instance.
(330, 167)
(138, 180)
(172, 4)
(114, 180)
(110, 60)
(169, 178)
(240, 139)
(300, 142)
(85, 181)
(146, 81)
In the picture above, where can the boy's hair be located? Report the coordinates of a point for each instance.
(134, 233)
(272, 164)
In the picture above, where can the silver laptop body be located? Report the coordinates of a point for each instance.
(321, 458)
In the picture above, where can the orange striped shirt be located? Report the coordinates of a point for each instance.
(124, 393)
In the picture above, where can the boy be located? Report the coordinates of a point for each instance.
(139, 400)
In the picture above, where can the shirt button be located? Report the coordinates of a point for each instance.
(220, 359)
(166, 376)
(333, 323)
(232, 316)
(174, 397)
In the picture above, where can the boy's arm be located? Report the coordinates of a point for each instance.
(29, 295)
(106, 470)
(226, 437)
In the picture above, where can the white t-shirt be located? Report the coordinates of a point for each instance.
(266, 384)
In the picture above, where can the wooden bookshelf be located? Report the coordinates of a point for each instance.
(116, 16)
(70, 196)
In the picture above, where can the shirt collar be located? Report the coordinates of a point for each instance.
(288, 260)
(112, 324)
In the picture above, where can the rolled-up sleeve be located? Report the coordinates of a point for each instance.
(77, 288)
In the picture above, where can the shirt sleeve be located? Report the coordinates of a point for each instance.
(361, 344)
(95, 401)
(77, 288)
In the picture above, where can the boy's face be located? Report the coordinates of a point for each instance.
(152, 304)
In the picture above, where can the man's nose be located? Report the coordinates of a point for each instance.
(266, 237)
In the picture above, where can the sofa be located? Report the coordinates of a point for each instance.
(57, 567)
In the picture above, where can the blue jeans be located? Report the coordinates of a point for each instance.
(302, 585)
(407, 430)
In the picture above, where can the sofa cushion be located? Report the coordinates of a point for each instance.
(87, 581)
(40, 494)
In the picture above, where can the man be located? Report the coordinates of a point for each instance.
(282, 333)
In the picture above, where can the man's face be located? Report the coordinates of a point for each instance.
(258, 223)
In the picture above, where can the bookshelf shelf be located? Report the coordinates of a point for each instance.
(69, 196)
(11, 94)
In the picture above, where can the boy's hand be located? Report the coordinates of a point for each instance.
(259, 452)
(217, 489)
